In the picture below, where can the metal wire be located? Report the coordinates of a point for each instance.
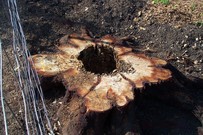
(28, 81)
(1, 92)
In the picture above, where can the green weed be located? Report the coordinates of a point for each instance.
(165, 2)
(193, 6)
(200, 23)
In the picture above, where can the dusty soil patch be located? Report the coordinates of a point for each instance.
(177, 12)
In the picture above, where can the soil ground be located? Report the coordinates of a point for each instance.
(173, 32)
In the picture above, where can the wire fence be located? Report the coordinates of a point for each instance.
(1, 91)
(36, 120)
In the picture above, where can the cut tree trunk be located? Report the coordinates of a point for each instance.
(182, 94)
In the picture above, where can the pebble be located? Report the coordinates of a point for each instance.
(86, 8)
(135, 19)
(54, 102)
(196, 62)
(139, 13)
(186, 36)
(131, 27)
(60, 103)
(194, 46)
(142, 28)
(185, 45)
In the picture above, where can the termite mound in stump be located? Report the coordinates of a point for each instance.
(99, 74)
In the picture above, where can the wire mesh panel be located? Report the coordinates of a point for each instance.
(26, 111)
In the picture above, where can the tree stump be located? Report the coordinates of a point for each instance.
(182, 94)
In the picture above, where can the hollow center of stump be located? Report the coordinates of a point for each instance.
(98, 59)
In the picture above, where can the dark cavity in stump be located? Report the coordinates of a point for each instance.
(98, 59)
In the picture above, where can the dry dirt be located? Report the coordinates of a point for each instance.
(173, 32)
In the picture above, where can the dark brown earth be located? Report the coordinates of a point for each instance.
(174, 107)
